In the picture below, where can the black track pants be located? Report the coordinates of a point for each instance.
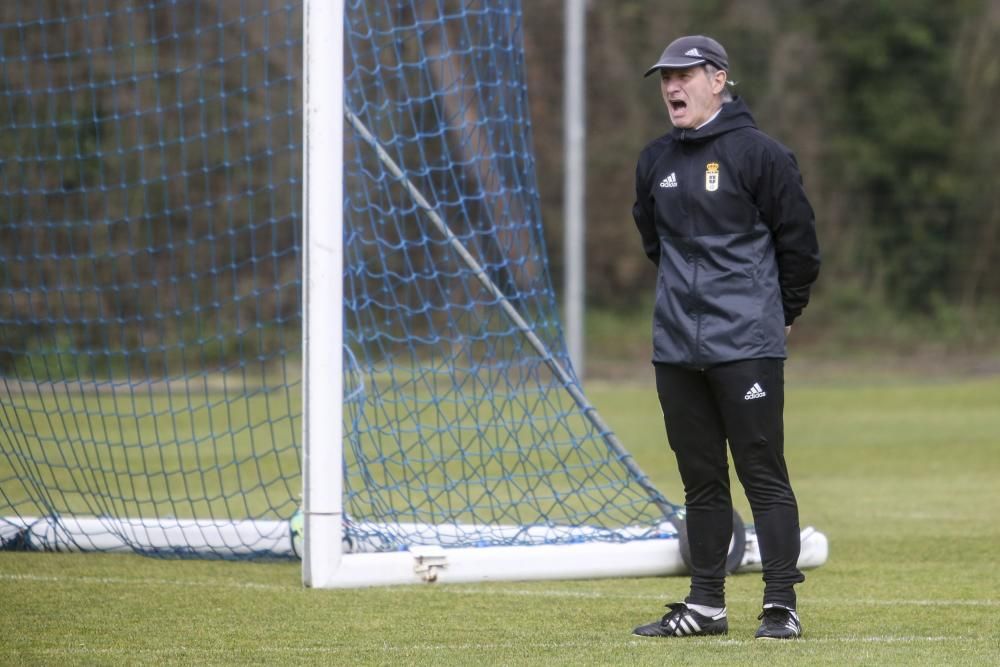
(742, 403)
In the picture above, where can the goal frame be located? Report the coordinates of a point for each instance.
(325, 564)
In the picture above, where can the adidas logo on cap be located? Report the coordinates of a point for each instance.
(693, 52)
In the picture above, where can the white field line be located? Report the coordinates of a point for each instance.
(126, 581)
(811, 600)
(386, 647)
(467, 590)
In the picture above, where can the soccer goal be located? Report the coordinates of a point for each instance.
(274, 285)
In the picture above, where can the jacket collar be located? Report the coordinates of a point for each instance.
(732, 116)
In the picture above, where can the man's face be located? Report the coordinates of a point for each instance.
(690, 95)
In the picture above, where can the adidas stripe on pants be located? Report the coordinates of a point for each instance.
(741, 403)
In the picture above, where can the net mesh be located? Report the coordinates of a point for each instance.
(150, 287)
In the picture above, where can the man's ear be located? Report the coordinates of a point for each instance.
(719, 81)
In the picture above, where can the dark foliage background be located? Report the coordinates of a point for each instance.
(886, 105)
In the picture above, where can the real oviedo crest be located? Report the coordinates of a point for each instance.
(712, 176)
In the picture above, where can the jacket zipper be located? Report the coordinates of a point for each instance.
(694, 257)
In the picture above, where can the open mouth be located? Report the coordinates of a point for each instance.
(678, 105)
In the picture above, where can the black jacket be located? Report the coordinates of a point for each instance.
(723, 214)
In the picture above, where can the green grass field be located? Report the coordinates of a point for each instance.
(901, 472)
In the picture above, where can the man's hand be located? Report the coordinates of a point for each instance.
(788, 330)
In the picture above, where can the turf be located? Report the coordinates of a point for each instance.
(899, 472)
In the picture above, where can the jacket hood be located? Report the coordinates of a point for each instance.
(733, 116)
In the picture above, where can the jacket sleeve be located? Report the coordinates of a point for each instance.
(782, 201)
(642, 211)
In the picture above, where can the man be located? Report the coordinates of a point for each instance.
(722, 212)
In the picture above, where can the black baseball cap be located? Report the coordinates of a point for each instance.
(689, 51)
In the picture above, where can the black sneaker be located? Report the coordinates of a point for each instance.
(778, 623)
(683, 622)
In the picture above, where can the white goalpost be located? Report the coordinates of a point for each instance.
(322, 285)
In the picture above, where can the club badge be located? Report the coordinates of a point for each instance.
(712, 176)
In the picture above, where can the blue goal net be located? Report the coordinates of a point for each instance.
(150, 287)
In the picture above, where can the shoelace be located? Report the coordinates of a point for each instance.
(777, 617)
(679, 621)
(676, 612)
(775, 614)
